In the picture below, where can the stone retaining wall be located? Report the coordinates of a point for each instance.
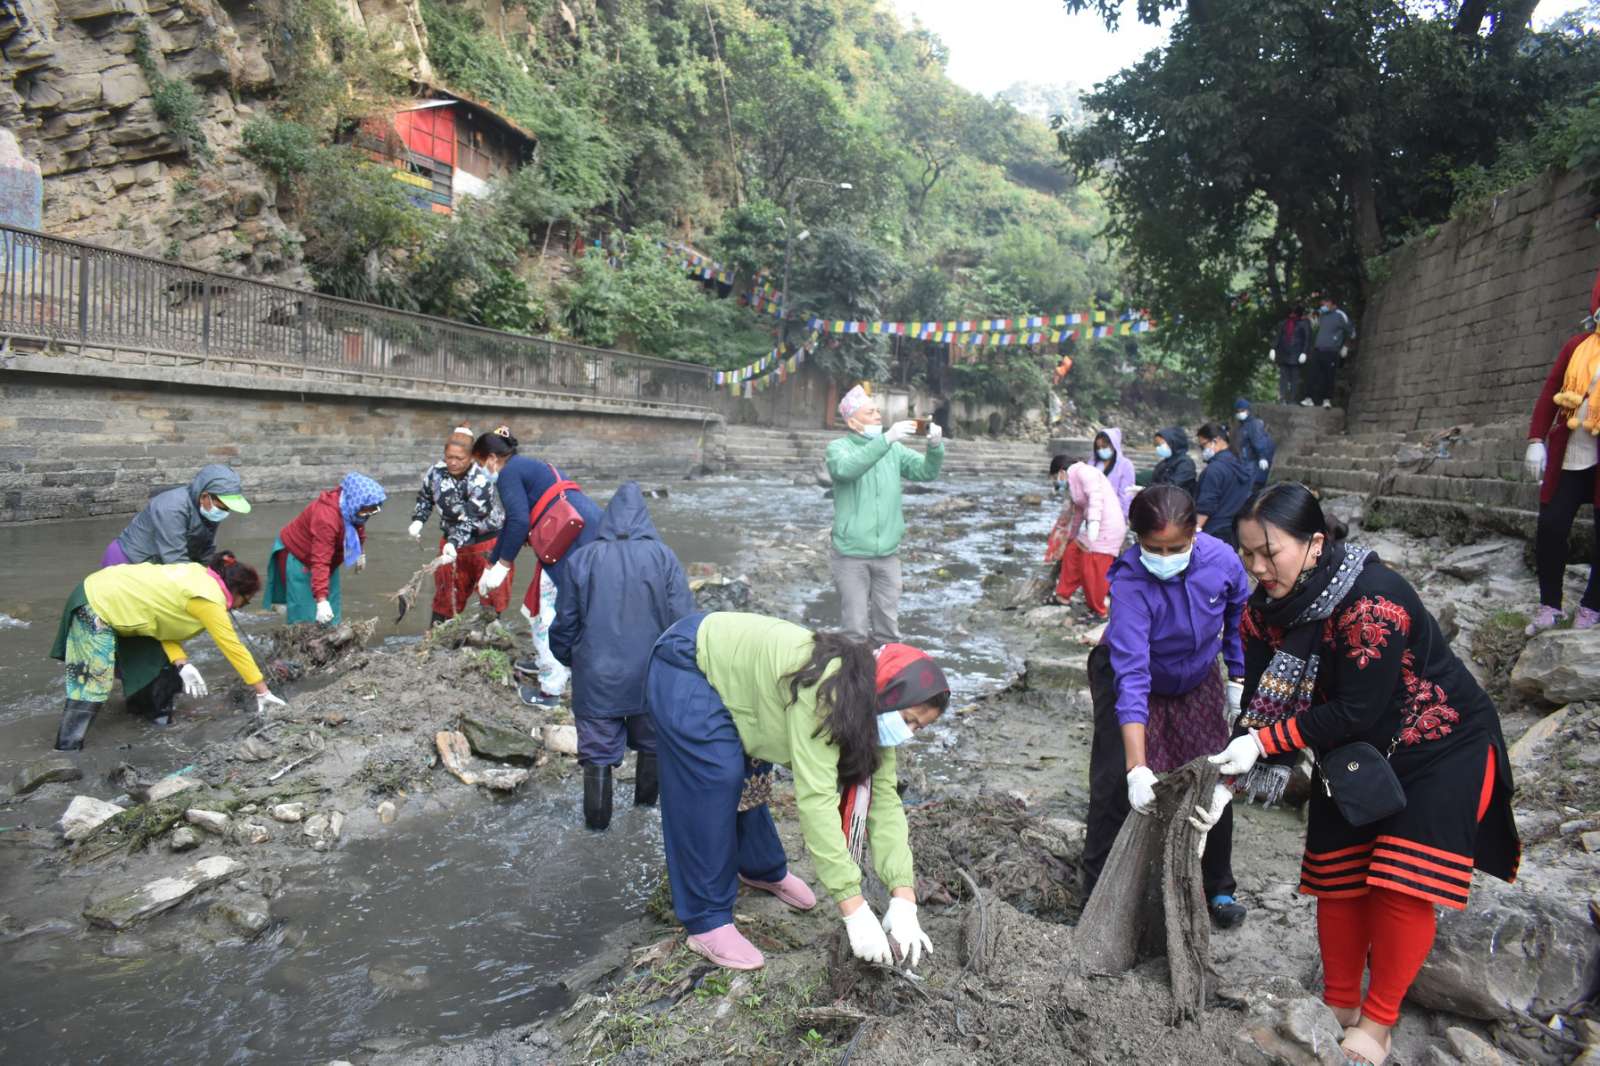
(1469, 320)
(81, 440)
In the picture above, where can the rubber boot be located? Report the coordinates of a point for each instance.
(75, 719)
(437, 619)
(646, 780)
(597, 796)
(155, 700)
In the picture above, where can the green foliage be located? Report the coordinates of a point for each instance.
(355, 217)
(176, 102)
(284, 148)
(1565, 138)
(330, 72)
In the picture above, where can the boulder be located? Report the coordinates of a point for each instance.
(1046, 673)
(323, 830)
(1512, 952)
(288, 812)
(122, 911)
(498, 740)
(184, 839)
(211, 821)
(250, 917)
(44, 771)
(1560, 666)
(1523, 752)
(1472, 1049)
(168, 787)
(1477, 561)
(561, 739)
(85, 814)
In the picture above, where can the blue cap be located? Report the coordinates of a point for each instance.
(1241, 404)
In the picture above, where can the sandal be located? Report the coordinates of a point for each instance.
(1362, 1049)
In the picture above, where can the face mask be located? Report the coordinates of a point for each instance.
(361, 519)
(1163, 451)
(892, 730)
(214, 514)
(1104, 454)
(872, 431)
(1165, 567)
(1207, 454)
(1242, 415)
(1058, 487)
(1326, 308)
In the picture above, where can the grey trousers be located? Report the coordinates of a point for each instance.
(869, 595)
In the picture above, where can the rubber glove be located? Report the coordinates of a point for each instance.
(1205, 818)
(493, 578)
(900, 431)
(1141, 789)
(193, 684)
(361, 563)
(1272, 355)
(1091, 529)
(935, 434)
(414, 530)
(1344, 351)
(267, 699)
(1239, 756)
(324, 612)
(1535, 460)
(448, 552)
(900, 922)
(1235, 691)
(1263, 464)
(868, 941)
(1302, 359)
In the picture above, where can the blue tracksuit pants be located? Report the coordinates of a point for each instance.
(703, 768)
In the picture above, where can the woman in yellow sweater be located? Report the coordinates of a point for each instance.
(165, 603)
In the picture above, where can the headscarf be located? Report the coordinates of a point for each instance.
(1288, 684)
(853, 401)
(355, 492)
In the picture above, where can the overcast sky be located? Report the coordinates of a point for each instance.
(996, 43)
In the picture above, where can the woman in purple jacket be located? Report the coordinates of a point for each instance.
(1159, 698)
(1117, 467)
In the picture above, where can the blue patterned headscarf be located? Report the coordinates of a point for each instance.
(355, 492)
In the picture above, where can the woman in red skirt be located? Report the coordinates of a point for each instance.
(470, 517)
(1338, 649)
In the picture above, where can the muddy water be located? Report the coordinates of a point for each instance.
(461, 920)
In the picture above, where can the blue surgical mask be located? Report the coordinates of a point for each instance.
(1163, 451)
(214, 514)
(1165, 567)
(872, 431)
(892, 730)
(1104, 453)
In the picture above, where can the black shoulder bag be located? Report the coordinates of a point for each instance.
(1361, 783)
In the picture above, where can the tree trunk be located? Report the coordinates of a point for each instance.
(1363, 193)
(1469, 20)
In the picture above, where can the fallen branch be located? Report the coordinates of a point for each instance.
(408, 593)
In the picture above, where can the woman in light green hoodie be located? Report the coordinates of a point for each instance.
(732, 694)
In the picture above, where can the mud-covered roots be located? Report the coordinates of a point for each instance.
(1028, 862)
(310, 646)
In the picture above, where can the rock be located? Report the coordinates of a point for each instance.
(1310, 1024)
(502, 779)
(323, 830)
(251, 917)
(952, 505)
(44, 771)
(1049, 615)
(288, 812)
(1560, 666)
(254, 749)
(168, 787)
(387, 812)
(249, 833)
(1449, 626)
(456, 755)
(497, 740)
(395, 976)
(1521, 753)
(1472, 1049)
(85, 814)
(561, 739)
(120, 912)
(1042, 673)
(125, 947)
(1542, 960)
(211, 821)
(1474, 562)
(1436, 1056)
(184, 839)
(1030, 499)
(721, 593)
(1591, 841)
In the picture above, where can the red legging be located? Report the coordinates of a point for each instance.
(1084, 569)
(1388, 930)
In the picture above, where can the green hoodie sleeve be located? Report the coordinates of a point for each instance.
(887, 833)
(815, 762)
(847, 460)
(919, 466)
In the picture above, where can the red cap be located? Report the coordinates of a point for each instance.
(907, 677)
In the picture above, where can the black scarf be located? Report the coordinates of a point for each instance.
(1287, 686)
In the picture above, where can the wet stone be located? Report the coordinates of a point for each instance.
(395, 976)
(171, 786)
(184, 839)
(44, 771)
(561, 739)
(499, 740)
(210, 821)
(250, 917)
(1472, 1049)
(129, 908)
(85, 814)
(322, 830)
(125, 947)
(288, 812)
(387, 812)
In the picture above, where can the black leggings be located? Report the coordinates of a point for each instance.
(1573, 489)
(1108, 792)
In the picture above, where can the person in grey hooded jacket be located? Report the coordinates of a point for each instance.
(180, 525)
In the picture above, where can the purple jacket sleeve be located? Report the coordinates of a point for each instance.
(1122, 481)
(1128, 637)
(1238, 592)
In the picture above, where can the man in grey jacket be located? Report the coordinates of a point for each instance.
(1334, 334)
(180, 525)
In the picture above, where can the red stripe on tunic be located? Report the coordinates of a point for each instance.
(1463, 861)
(1453, 902)
(1385, 869)
(1322, 856)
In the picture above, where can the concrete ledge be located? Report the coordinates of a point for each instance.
(1455, 523)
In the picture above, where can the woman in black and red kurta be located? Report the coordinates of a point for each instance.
(1339, 648)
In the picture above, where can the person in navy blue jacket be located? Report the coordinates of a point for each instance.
(1226, 484)
(1255, 446)
(616, 596)
(521, 481)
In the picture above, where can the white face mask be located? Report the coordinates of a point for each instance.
(872, 431)
(1242, 416)
(892, 730)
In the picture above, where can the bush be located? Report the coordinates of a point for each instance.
(176, 102)
(283, 148)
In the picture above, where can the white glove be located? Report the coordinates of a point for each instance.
(324, 612)
(361, 563)
(414, 530)
(935, 434)
(900, 431)
(1302, 359)
(1344, 351)
(900, 922)
(1263, 464)
(267, 699)
(1272, 355)
(1239, 756)
(448, 552)
(868, 941)
(1205, 818)
(1535, 459)
(1091, 529)
(1141, 789)
(193, 684)
(493, 578)
(529, 616)
(1235, 691)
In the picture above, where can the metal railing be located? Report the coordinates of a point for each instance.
(68, 293)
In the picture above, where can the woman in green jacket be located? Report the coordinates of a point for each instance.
(732, 694)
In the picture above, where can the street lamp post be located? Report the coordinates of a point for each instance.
(788, 243)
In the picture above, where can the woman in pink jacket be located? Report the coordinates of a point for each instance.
(1095, 528)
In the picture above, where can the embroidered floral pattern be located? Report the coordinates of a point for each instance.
(1428, 714)
(1366, 627)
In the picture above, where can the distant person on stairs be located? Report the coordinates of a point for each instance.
(1332, 343)
(1563, 456)
(1174, 467)
(1255, 447)
(866, 467)
(1290, 352)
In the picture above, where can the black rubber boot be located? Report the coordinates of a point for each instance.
(155, 700)
(75, 719)
(646, 781)
(597, 796)
(438, 619)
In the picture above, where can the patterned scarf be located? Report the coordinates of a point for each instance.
(1287, 686)
(355, 492)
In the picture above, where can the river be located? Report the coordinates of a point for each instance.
(462, 924)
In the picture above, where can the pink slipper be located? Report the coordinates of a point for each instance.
(726, 946)
(1362, 1049)
(793, 891)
